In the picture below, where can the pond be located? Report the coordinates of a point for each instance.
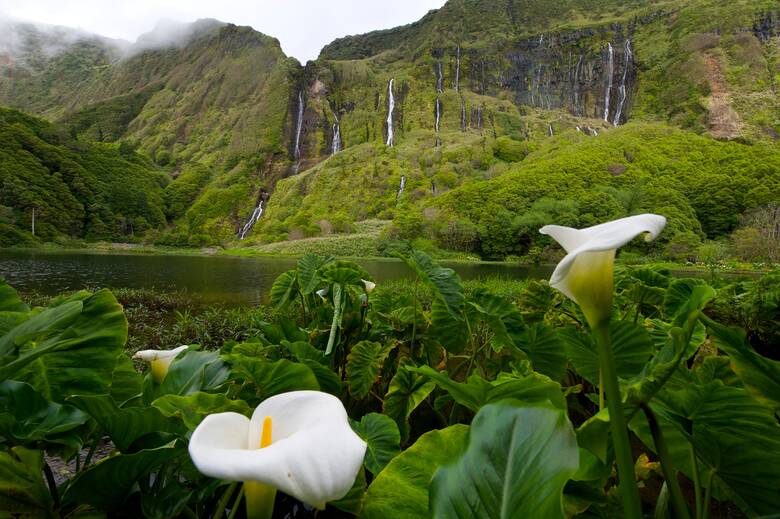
(217, 279)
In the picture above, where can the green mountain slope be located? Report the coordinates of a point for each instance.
(476, 86)
(97, 191)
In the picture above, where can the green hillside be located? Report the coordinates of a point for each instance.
(477, 86)
(80, 190)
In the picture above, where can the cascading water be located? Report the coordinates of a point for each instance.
(390, 108)
(256, 214)
(628, 58)
(610, 77)
(439, 78)
(299, 126)
(457, 70)
(335, 146)
(550, 130)
(438, 115)
(400, 188)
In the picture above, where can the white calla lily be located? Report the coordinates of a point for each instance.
(585, 275)
(160, 360)
(313, 454)
(369, 286)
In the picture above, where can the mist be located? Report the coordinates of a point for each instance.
(303, 27)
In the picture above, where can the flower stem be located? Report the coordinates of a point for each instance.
(632, 506)
(670, 474)
(259, 500)
(223, 501)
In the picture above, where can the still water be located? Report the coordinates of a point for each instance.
(222, 279)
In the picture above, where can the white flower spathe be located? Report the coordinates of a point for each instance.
(314, 455)
(585, 275)
(160, 360)
(369, 286)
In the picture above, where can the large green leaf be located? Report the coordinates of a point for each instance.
(71, 348)
(451, 331)
(107, 484)
(308, 264)
(126, 382)
(544, 348)
(124, 426)
(23, 493)
(678, 294)
(192, 409)
(501, 316)
(328, 380)
(477, 392)
(192, 371)
(401, 489)
(631, 346)
(363, 364)
(284, 289)
(445, 282)
(381, 435)
(10, 300)
(407, 390)
(25, 416)
(345, 273)
(759, 374)
(735, 438)
(272, 378)
(524, 455)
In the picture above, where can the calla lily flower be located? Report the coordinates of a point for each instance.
(160, 360)
(585, 275)
(369, 286)
(312, 454)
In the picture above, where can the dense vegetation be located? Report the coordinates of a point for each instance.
(76, 189)
(437, 376)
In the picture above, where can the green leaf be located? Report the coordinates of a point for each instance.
(10, 300)
(308, 264)
(107, 484)
(501, 316)
(631, 345)
(401, 489)
(344, 273)
(407, 390)
(536, 299)
(735, 438)
(445, 282)
(381, 435)
(23, 493)
(192, 409)
(525, 457)
(545, 349)
(760, 375)
(192, 371)
(477, 392)
(68, 349)
(126, 382)
(363, 365)
(328, 380)
(338, 306)
(25, 416)
(272, 378)
(283, 289)
(352, 503)
(124, 426)
(451, 331)
(678, 294)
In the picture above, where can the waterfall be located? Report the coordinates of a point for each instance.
(439, 78)
(390, 108)
(400, 188)
(256, 214)
(549, 130)
(457, 70)
(610, 77)
(299, 126)
(335, 146)
(628, 58)
(438, 115)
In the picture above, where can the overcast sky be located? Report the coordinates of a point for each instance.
(302, 26)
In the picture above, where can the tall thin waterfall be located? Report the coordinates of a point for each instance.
(256, 214)
(400, 188)
(438, 115)
(457, 69)
(439, 78)
(550, 130)
(628, 58)
(299, 126)
(610, 77)
(335, 146)
(390, 108)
